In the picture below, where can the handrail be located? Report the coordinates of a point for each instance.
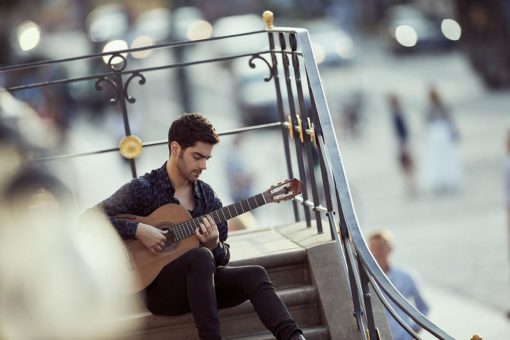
(342, 187)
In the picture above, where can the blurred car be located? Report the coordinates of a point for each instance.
(331, 45)
(256, 98)
(162, 25)
(409, 29)
(240, 45)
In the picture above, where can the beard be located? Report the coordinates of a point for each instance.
(189, 175)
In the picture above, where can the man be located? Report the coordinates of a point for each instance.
(199, 281)
(381, 245)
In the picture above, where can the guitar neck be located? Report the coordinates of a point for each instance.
(187, 228)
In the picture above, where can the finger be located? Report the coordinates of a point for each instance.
(199, 235)
(206, 222)
(211, 220)
(204, 228)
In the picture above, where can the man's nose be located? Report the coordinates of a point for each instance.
(203, 164)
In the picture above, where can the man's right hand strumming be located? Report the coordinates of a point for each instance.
(152, 237)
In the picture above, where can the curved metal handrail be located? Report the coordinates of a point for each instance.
(342, 187)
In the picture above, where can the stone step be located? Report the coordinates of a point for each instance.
(241, 320)
(311, 333)
(286, 269)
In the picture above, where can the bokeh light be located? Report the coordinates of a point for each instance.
(451, 29)
(142, 41)
(200, 29)
(112, 46)
(29, 35)
(406, 35)
(346, 48)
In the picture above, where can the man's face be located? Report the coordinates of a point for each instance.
(380, 249)
(192, 160)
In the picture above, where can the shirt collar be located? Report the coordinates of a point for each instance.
(166, 184)
(164, 181)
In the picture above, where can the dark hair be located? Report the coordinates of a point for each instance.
(191, 128)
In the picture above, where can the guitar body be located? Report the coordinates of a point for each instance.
(147, 265)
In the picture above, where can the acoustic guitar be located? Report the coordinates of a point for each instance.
(180, 226)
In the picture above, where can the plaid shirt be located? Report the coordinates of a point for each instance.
(145, 194)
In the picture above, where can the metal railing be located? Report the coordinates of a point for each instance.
(310, 146)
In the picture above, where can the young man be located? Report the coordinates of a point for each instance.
(199, 281)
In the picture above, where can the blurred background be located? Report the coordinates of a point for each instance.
(396, 74)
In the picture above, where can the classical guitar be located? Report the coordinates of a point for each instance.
(181, 237)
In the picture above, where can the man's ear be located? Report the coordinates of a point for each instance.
(175, 149)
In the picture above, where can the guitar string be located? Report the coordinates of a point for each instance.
(184, 227)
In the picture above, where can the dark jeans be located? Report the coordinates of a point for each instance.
(193, 283)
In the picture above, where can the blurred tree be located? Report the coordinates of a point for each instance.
(486, 36)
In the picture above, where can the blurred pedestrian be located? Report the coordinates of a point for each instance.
(37, 217)
(352, 115)
(240, 180)
(381, 245)
(401, 128)
(240, 184)
(442, 171)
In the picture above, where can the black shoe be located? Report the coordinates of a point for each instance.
(297, 336)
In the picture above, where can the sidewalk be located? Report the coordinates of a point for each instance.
(462, 317)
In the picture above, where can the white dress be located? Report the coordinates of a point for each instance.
(442, 170)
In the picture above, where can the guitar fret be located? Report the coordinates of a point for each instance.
(193, 225)
(179, 232)
(261, 200)
(240, 206)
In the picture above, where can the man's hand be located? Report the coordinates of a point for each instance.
(208, 233)
(151, 237)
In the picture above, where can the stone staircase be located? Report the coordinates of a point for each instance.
(310, 283)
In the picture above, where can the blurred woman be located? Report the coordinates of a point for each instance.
(442, 171)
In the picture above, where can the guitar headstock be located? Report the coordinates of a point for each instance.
(283, 191)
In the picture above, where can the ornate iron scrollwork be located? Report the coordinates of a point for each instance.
(271, 68)
(108, 80)
(117, 67)
(141, 81)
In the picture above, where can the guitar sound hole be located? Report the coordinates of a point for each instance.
(171, 242)
(170, 237)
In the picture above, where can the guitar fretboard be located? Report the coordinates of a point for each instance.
(187, 228)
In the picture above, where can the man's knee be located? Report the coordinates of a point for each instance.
(201, 258)
(256, 278)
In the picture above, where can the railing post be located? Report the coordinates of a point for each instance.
(372, 330)
(117, 77)
(294, 122)
(305, 139)
(268, 19)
